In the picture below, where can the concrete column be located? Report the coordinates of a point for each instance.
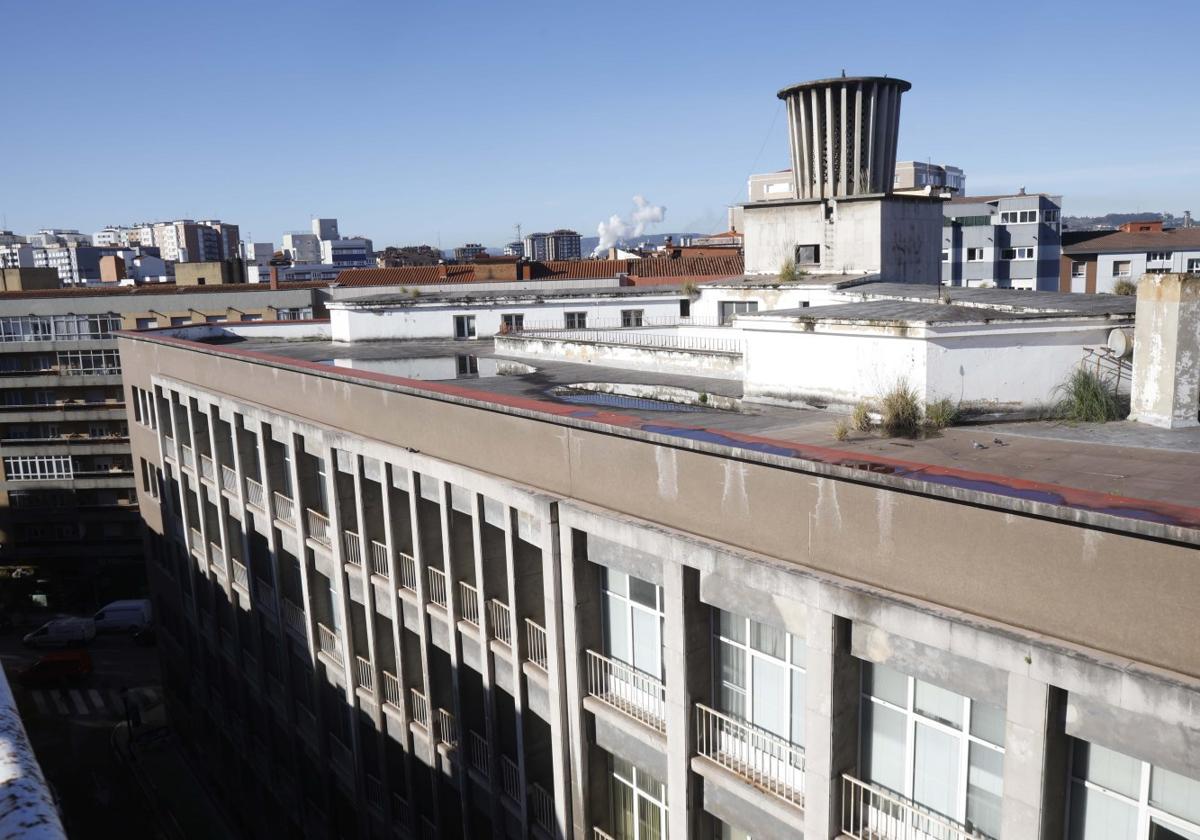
(1035, 761)
(1166, 351)
(831, 722)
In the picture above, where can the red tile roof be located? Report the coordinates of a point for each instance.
(1175, 239)
(411, 275)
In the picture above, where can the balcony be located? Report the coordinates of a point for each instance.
(318, 527)
(601, 834)
(870, 812)
(380, 564)
(499, 619)
(392, 695)
(374, 791)
(329, 643)
(437, 587)
(187, 456)
(468, 602)
(364, 673)
(342, 759)
(208, 471)
(541, 807)
(408, 572)
(283, 507)
(352, 549)
(264, 594)
(762, 758)
(229, 482)
(447, 729)
(478, 753)
(535, 640)
(255, 495)
(510, 779)
(420, 707)
(293, 618)
(168, 445)
(627, 690)
(241, 577)
(196, 543)
(401, 816)
(218, 557)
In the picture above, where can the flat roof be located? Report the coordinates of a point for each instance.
(483, 296)
(1120, 476)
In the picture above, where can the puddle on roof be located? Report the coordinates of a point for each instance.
(434, 368)
(578, 397)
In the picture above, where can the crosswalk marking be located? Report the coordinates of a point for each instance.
(81, 702)
(40, 701)
(81, 707)
(59, 703)
(96, 699)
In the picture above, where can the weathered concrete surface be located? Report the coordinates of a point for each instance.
(1166, 357)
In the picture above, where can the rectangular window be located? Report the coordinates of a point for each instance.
(945, 256)
(808, 254)
(1121, 268)
(633, 622)
(147, 323)
(1158, 256)
(1193, 266)
(1016, 254)
(760, 675)
(1079, 270)
(729, 308)
(464, 326)
(631, 317)
(1050, 217)
(1018, 217)
(180, 320)
(974, 255)
(1112, 794)
(512, 322)
(37, 467)
(575, 320)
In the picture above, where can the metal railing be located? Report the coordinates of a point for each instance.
(264, 592)
(218, 557)
(619, 323)
(187, 456)
(408, 572)
(510, 778)
(207, 469)
(535, 640)
(478, 752)
(401, 815)
(241, 576)
(318, 526)
(499, 619)
(196, 541)
(352, 547)
(758, 756)
(293, 617)
(229, 479)
(284, 507)
(541, 807)
(420, 707)
(437, 586)
(392, 694)
(870, 812)
(169, 446)
(631, 337)
(328, 641)
(447, 729)
(374, 790)
(342, 757)
(468, 603)
(254, 495)
(601, 834)
(364, 672)
(380, 565)
(628, 690)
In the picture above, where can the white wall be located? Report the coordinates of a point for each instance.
(707, 306)
(1137, 266)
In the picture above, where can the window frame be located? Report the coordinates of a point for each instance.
(749, 654)
(575, 320)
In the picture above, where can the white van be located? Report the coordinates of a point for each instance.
(124, 616)
(62, 632)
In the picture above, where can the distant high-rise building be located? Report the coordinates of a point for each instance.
(325, 229)
(469, 252)
(917, 175)
(302, 247)
(355, 252)
(561, 244)
(515, 248)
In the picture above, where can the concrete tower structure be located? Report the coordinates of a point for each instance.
(843, 135)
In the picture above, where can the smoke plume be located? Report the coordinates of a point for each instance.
(616, 228)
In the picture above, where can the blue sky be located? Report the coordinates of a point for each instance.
(412, 122)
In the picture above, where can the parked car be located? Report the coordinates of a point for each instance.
(56, 667)
(129, 616)
(62, 632)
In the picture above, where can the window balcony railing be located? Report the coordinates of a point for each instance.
(255, 496)
(342, 758)
(408, 572)
(293, 617)
(468, 602)
(364, 673)
(541, 807)
(285, 508)
(447, 729)
(352, 548)
(264, 593)
(510, 778)
(241, 577)
(328, 641)
(401, 815)
(277, 694)
(437, 587)
(392, 694)
(535, 639)
(628, 690)
(188, 457)
(870, 812)
(758, 756)
(168, 443)
(229, 481)
(207, 469)
(318, 526)
(500, 621)
(218, 557)
(380, 565)
(601, 834)
(478, 752)
(420, 707)
(374, 790)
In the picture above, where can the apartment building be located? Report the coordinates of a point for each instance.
(68, 484)
(1002, 241)
(505, 605)
(354, 252)
(469, 251)
(561, 244)
(1097, 263)
(302, 248)
(920, 175)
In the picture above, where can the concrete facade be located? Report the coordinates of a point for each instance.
(404, 627)
(1006, 242)
(1166, 359)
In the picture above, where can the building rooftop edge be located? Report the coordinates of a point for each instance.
(790, 89)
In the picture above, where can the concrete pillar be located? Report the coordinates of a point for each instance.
(831, 722)
(686, 640)
(1166, 351)
(1035, 761)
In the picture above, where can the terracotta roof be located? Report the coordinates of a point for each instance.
(725, 266)
(160, 289)
(409, 275)
(1120, 242)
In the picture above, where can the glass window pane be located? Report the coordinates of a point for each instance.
(884, 746)
(615, 581)
(622, 810)
(733, 701)
(622, 769)
(767, 639)
(985, 788)
(1175, 794)
(887, 684)
(649, 820)
(616, 616)
(1096, 815)
(770, 696)
(647, 642)
(731, 626)
(649, 785)
(643, 592)
(1108, 768)
(935, 770)
(798, 707)
(939, 703)
(733, 664)
(1159, 830)
(987, 722)
(799, 651)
